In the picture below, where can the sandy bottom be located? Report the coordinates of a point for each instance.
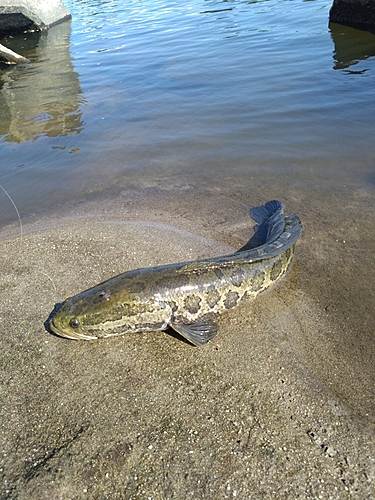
(279, 405)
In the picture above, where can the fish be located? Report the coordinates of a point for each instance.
(188, 296)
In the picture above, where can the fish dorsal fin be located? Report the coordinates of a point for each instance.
(196, 267)
(198, 333)
(292, 230)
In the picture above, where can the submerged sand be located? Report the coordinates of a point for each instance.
(279, 405)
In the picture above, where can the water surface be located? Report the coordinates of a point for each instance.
(196, 90)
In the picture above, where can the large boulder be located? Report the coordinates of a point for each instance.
(25, 15)
(357, 13)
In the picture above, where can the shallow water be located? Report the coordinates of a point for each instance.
(163, 93)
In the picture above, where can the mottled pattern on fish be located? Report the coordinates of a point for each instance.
(186, 296)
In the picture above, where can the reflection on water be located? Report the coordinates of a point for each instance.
(351, 46)
(42, 98)
(169, 90)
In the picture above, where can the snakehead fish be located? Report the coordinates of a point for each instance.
(187, 296)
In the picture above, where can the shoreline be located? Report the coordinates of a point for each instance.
(280, 385)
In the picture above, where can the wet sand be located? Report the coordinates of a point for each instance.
(279, 405)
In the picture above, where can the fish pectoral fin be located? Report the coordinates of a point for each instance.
(198, 333)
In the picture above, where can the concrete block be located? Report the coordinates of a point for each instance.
(25, 15)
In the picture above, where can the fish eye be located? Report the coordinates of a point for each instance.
(74, 323)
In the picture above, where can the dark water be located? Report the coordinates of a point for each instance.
(196, 90)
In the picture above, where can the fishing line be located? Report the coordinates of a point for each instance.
(21, 232)
(16, 209)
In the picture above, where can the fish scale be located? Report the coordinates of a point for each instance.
(188, 296)
(219, 295)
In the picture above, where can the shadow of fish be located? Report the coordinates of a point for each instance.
(187, 296)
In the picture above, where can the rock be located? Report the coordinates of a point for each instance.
(26, 15)
(357, 13)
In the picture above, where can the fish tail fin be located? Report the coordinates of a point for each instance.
(270, 219)
(262, 213)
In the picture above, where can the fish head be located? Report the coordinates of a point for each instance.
(69, 321)
(104, 311)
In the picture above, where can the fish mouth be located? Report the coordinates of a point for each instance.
(61, 332)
